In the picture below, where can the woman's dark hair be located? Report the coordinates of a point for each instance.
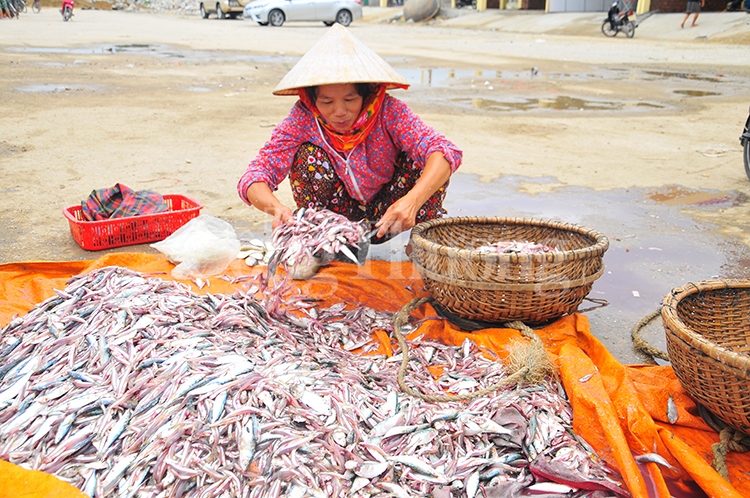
(363, 89)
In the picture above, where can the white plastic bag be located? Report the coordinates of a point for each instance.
(201, 248)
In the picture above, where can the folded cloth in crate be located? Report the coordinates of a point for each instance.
(120, 201)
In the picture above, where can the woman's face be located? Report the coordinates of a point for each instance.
(339, 104)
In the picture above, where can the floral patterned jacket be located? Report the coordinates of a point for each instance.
(368, 166)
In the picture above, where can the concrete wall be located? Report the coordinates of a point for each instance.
(679, 5)
(662, 6)
(603, 5)
(578, 5)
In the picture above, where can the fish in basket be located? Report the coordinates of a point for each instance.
(547, 275)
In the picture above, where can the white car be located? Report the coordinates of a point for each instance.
(275, 12)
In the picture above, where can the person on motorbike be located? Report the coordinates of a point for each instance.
(614, 15)
(4, 8)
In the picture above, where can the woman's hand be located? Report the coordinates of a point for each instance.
(399, 217)
(282, 215)
(402, 214)
(260, 195)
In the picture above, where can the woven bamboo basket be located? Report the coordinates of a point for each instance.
(707, 327)
(503, 287)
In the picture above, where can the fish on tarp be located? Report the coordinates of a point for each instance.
(655, 458)
(672, 414)
(229, 395)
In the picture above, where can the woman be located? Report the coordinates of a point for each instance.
(350, 147)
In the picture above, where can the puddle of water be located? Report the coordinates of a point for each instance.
(104, 49)
(58, 87)
(58, 50)
(136, 46)
(437, 77)
(672, 195)
(158, 50)
(684, 76)
(696, 93)
(440, 77)
(561, 103)
(155, 49)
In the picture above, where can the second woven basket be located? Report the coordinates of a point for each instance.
(707, 325)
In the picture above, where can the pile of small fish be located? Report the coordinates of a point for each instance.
(514, 246)
(313, 233)
(255, 251)
(129, 385)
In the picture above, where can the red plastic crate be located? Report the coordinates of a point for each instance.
(131, 230)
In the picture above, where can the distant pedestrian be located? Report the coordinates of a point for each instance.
(693, 7)
(4, 8)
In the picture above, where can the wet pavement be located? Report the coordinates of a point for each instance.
(526, 90)
(533, 90)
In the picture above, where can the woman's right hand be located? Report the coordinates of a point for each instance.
(260, 195)
(282, 215)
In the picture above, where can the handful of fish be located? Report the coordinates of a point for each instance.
(315, 234)
(515, 247)
(130, 386)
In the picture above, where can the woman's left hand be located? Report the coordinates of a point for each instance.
(399, 217)
(402, 214)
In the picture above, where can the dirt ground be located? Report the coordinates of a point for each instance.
(542, 102)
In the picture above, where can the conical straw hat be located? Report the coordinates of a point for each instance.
(339, 57)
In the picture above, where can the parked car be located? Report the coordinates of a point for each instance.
(276, 12)
(222, 8)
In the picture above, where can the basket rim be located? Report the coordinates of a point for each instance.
(677, 327)
(595, 250)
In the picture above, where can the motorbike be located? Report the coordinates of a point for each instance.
(617, 21)
(67, 9)
(745, 142)
(735, 5)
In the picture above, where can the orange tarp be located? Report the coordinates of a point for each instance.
(620, 410)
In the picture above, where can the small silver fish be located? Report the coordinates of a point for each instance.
(115, 432)
(585, 378)
(654, 458)
(395, 490)
(247, 443)
(417, 464)
(472, 484)
(117, 471)
(368, 470)
(672, 414)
